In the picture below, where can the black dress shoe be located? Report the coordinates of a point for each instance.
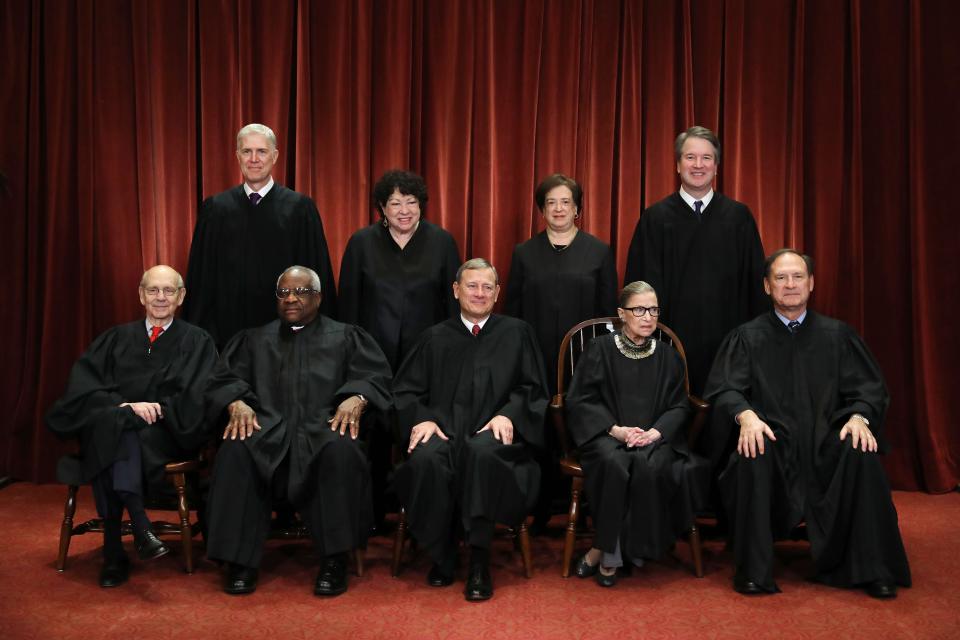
(747, 587)
(437, 578)
(332, 578)
(585, 569)
(240, 579)
(149, 546)
(114, 572)
(479, 584)
(605, 580)
(881, 589)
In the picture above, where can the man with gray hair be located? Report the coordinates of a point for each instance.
(134, 400)
(470, 401)
(702, 253)
(245, 236)
(292, 393)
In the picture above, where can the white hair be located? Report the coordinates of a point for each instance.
(261, 129)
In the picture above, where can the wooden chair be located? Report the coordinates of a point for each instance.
(68, 472)
(520, 535)
(573, 345)
(295, 529)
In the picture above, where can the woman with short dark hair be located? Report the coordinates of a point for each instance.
(558, 278)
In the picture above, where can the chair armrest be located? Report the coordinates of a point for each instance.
(701, 410)
(560, 424)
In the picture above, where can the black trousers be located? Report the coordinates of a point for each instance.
(490, 482)
(846, 503)
(125, 475)
(334, 501)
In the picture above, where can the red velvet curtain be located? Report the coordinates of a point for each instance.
(836, 120)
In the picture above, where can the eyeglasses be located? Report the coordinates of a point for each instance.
(153, 292)
(299, 292)
(639, 312)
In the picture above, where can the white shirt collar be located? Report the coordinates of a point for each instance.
(689, 199)
(150, 326)
(786, 321)
(469, 325)
(263, 192)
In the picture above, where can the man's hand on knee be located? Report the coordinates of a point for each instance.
(348, 416)
(243, 421)
(752, 432)
(502, 428)
(860, 434)
(422, 432)
(149, 412)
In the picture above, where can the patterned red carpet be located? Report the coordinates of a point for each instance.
(662, 600)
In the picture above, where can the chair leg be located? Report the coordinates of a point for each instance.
(186, 530)
(358, 555)
(524, 536)
(398, 538)
(571, 537)
(695, 551)
(66, 527)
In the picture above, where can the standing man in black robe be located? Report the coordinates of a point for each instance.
(810, 401)
(470, 400)
(247, 235)
(294, 391)
(701, 251)
(134, 400)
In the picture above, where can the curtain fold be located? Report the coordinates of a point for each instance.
(835, 119)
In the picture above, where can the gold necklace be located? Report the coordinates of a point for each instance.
(632, 350)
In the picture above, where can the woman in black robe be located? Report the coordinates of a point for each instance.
(627, 410)
(559, 278)
(396, 280)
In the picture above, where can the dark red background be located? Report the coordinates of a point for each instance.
(838, 124)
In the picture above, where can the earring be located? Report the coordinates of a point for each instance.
(386, 225)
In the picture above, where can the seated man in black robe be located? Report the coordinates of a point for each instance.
(294, 391)
(470, 400)
(134, 399)
(810, 401)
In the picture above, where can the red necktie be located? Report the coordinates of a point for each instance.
(155, 333)
(476, 329)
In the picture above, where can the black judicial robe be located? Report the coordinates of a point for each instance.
(554, 290)
(294, 381)
(805, 387)
(461, 381)
(238, 252)
(393, 293)
(122, 366)
(610, 389)
(707, 271)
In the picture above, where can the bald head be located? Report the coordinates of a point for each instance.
(161, 292)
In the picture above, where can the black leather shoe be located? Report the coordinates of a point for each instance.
(479, 584)
(584, 569)
(114, 572)
(747, 587)
(332, 578)
(149, 546)
(240, 579)
(606, 580)
(437, 578)
(882, 589)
